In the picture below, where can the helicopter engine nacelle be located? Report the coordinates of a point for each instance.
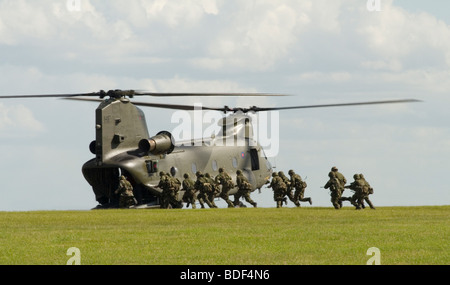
(162, 143)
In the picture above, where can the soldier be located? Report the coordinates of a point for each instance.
(367, 190)
(125, 190)
(244, 189)
(342, 182)
(204, 188)
(279, 189)
(288, 188)
(214, 189)
(299, 185)
(224, 179)
(357, 187)
(189, 191)
(339, 175)
(168, 190)
(335, 188)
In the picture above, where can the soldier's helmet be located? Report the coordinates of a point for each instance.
(238, 172)
(334, 168)
(162, 173)
(331, 174)
(207, 175)
(221, 169)
(356, 176)
(281, 173)
(274, 174)
(186, 175)
(198, 173)
(361, 176)
(291, 172)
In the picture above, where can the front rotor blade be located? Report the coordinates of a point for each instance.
(258, 109)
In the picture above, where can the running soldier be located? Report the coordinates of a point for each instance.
(168, 186)
(214, 189)
(299, 185)
(335, 188)
(357, 187)
(279, 189)
(204, 189)
(125, 190)
(189, 196)
(288, 188)
(342, 182)
(224, 179)
(367, 190)
(244, 189)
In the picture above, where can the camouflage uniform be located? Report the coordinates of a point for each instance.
(170, 187)
(189, 196)
(224, 179)
(125, 190)
(357, 187)
(339, 176)
(335, 188)
(204, 188)
(367, 190)
(168, 191)
(299, 185)
(244, 189)
(288, 188)
(279, 189)
(214, 189)
(342, 182)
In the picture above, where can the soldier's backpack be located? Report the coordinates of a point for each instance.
(246, 185)
(229, 183)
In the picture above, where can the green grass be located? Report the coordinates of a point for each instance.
(244, 236)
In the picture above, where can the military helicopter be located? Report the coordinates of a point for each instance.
(123, 145)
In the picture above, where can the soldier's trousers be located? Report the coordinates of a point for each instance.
(246, 195)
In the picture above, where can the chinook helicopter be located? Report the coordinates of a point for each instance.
(123, 146)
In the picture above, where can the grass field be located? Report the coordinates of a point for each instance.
(241, 236)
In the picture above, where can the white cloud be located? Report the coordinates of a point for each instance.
(397, 34)
(323, 51)
(260, 33)
(17, 120)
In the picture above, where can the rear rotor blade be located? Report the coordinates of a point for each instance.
(49, 95)
(131, 93)
(250, 109)
(156, 105)
(187, 94)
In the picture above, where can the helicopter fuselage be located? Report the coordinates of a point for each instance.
(124, 147)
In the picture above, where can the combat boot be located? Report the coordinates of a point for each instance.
(370, 204)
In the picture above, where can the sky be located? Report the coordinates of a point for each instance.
(318, 52)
